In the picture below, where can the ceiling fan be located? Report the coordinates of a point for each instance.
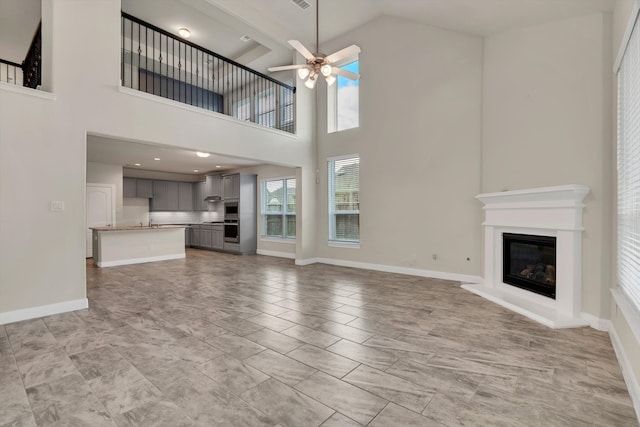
(319, 64)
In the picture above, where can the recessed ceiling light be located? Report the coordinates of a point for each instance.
(184, 33)
(218, 166)
(200, 154)
(196, 170)
(137, 164)
(245, 38)
(156, 158)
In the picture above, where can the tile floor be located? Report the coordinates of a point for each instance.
(221, 340)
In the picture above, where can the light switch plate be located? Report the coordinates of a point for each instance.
(56, 206)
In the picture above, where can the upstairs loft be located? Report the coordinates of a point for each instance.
(157, 62)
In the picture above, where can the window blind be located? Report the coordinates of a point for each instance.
(628, 168)
(344, 199)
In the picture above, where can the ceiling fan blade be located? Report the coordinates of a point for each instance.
(302, 50)
(343, 53)
(345, 73)
(287, 67)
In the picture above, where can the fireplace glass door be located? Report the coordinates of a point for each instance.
(529, 262)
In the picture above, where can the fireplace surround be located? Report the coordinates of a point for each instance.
(548, 213)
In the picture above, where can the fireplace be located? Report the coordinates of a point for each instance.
(540, 232)
(529, 262)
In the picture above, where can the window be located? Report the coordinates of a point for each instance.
(344, 101)
(266, 108)
(279, 208)
(344, 199)
(242, 109)
(628, 220)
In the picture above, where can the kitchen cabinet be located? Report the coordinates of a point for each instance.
(132, 187)
(128, 187)
(205, 236)
(198, 197)
(217, 237)
(185, 196)
(212, 186)
(165, 196)
(231, 186)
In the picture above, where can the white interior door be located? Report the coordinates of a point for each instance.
(100, 210)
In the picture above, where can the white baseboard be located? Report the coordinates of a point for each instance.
(598, 323)
(276, 254)
(627, 372)
(140, 260)
(393, 269)
(43, 310)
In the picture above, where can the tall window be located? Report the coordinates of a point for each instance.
(343, 101)
(628, 164)
(266, 108)
(279, 208)
(344, 199)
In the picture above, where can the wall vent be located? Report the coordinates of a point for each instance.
(302, 4)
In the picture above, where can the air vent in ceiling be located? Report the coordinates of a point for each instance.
(302, 4)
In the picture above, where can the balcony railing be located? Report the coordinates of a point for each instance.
(157, 62)
(29, 73)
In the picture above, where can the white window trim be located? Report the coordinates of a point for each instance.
(355, 244)
(264, 237)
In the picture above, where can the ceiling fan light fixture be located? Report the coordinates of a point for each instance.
(303, 73)
(326, 70)
(330, 80)
(311, 82)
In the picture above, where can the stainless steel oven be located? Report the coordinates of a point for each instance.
(231, 211)
(231, 231)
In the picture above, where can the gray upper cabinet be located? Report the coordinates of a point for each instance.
(198, 196)
(165, 196)
(129, 187)
(132, 187)
(231, 186)
(185, 196)
(144, 188)
(212, 186)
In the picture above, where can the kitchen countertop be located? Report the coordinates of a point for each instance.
(137, 227)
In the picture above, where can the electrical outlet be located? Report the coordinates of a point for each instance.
(56, 206)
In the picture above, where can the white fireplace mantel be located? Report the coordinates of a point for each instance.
(547, 211)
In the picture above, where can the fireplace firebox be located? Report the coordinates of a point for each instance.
(529, 262)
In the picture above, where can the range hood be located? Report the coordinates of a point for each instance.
(212, 199)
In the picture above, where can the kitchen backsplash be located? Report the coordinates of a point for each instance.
(134, 215)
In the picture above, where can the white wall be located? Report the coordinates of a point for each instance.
(546, 121)
(419, 142)
(103, 173)
(49, 136)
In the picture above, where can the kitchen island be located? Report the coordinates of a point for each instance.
(133, 244)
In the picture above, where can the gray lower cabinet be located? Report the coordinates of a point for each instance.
(217, 237)
(205, 236)
(195, 235)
